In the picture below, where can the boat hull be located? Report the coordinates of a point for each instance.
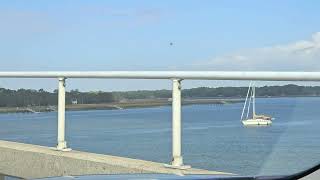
(256, 122)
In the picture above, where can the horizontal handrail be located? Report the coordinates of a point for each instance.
(196, 75)
(176, 78)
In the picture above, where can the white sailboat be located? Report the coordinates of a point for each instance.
(255, 120)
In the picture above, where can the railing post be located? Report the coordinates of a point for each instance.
(62, 144)
(177, 160)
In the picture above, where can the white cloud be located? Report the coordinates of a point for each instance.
(303, 55)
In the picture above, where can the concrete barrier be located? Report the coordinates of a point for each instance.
(33, 161)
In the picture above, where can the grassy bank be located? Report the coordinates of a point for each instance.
(117, 105)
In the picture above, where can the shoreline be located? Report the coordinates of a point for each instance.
(130, 104)
(137, 103)
(119, 105)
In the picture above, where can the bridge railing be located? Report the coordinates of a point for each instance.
(175, 76)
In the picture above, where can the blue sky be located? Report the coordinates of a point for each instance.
(136, 35)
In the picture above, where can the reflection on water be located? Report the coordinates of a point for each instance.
(213, 136)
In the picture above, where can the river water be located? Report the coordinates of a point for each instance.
(213, 136)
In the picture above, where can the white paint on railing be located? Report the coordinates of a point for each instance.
(62, 144)
(176, 76)
(209, 75)
(176, 123)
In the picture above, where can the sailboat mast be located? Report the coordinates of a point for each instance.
(245, 102)
(253, 101)
(248, 111)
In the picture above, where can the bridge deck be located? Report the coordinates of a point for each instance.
(33, 161)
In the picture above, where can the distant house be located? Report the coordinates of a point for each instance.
(74, 101)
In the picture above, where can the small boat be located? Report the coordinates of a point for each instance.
(255, 120)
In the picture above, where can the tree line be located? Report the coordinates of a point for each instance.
(30, 97)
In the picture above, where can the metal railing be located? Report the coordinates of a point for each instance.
(175, 76)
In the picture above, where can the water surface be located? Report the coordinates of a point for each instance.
(213, 136)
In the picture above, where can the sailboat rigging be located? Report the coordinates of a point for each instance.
(256, 119)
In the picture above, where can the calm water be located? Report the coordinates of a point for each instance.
(213, 137)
